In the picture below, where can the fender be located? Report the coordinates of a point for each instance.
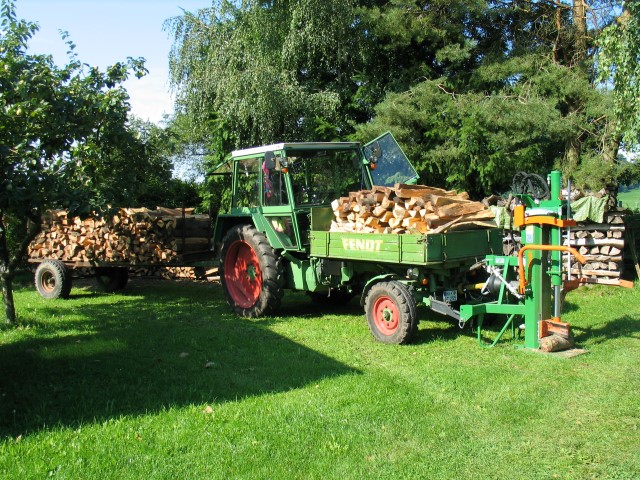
(372, 281)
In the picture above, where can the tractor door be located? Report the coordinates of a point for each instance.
(317, 177)
(277, 208)
(389, 164)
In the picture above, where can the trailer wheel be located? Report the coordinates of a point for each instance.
(52, 279)
(111, 279)
(251, 272)
(391, 312)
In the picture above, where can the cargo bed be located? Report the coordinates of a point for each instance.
(407, 249)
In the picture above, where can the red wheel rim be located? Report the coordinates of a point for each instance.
(47, 282)
(386, 316)
(242, 274)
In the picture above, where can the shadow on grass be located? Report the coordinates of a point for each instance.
(444, 328)
(160, 345)
(569, 307)
(626, 326)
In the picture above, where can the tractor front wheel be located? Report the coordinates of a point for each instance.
(251, 272)
(391, 312)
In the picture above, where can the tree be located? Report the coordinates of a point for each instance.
(161, 148)
(475, 89)
(523, 96)
(64, 141)
(255, 72)
(619, 62)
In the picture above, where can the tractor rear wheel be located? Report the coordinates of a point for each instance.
(251, 272)
(391, 312)
(53, 279)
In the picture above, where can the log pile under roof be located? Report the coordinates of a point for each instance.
(602, 245)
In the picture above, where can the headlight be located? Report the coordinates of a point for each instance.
(413, 273)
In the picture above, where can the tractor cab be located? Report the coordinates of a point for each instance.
(276, 186)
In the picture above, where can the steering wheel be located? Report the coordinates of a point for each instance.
(314, 195)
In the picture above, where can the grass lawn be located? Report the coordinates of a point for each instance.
(630, 199)
(161, 381)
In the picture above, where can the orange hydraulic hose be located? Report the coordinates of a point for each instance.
(556, 248)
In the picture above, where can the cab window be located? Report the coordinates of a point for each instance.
(274, 191)
(247, 191)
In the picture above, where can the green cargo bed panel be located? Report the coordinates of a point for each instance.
(406, 249)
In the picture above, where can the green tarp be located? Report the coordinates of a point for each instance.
(502, 217)
(589, 208)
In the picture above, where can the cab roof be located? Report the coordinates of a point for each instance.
(294, 146)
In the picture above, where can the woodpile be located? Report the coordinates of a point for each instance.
(189, 273)
(132, 236)
(602, 245)
(408, 209)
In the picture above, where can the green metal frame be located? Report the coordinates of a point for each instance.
(544, 270)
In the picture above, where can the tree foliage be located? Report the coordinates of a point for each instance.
(521, 96)
(619, 62)
(256, 72)
(64, 140)
(161, 148)
(476, 90)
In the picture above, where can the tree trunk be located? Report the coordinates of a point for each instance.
(611, 141)
(7, 299)
(573, 150)
(6, 279)
(580, 26)
(572, 155)
(5, 275)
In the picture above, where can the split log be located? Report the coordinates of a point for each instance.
(408, 209)
(599, 227)
(459, 208)
(593, 241)
(595, 273)
(555, 343)
(133, 236)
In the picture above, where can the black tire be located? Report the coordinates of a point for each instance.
(112, 279)
(251, 272)
(336, 297)
(391, 313)
(53, 279)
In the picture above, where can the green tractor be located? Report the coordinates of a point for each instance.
(275, 237)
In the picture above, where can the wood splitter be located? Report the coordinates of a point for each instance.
(528, 288)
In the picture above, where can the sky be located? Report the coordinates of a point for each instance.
(108, 31)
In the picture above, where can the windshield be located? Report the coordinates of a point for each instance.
(392, 164)
(319, 177)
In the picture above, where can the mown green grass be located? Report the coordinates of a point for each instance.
(630, 199)
(161, 381)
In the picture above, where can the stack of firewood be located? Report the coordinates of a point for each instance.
(408, 209)
(132, 236)
(602, 245)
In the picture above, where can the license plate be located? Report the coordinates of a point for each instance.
(450, 296)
